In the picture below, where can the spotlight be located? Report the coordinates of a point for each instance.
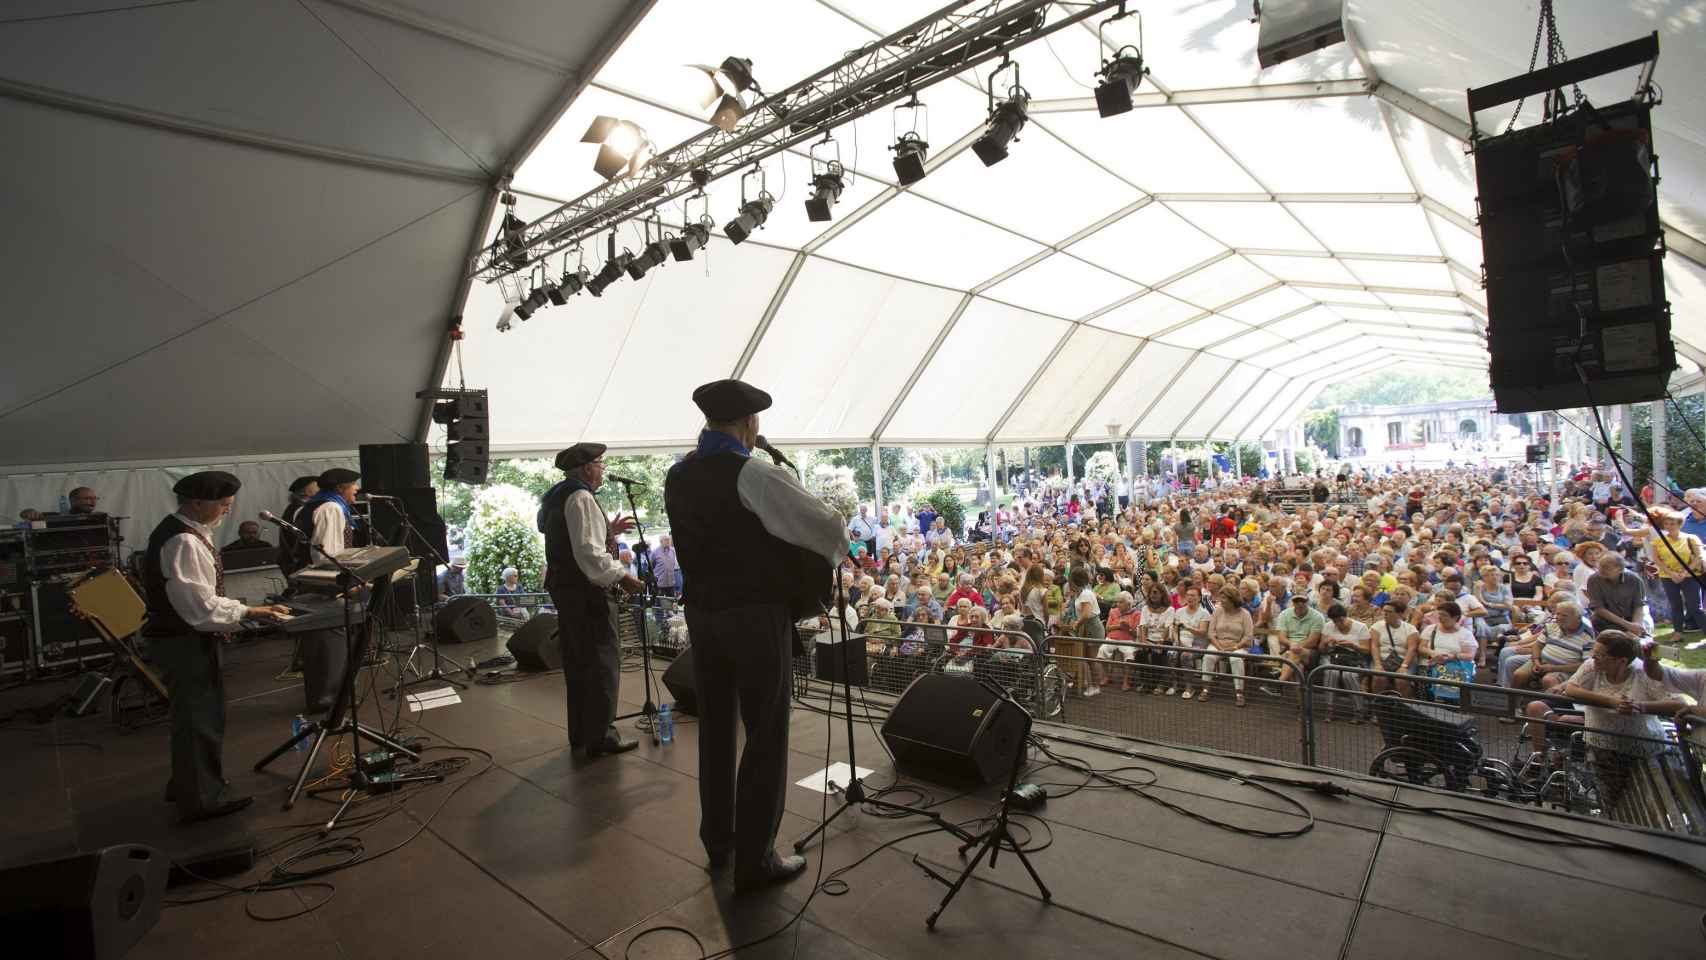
(909, 155)
(652, 255)
(1005, 122)
(555, 293)
(623, 147)
(753, 213)
(511, 232)
(1120, 79)
(525, 308)
(728, 81)
(573, 282)
(693, 237)
(826, 190)
(612, 272)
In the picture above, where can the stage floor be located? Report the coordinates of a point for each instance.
(543, 855)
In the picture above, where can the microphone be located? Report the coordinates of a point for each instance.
(624, 480)
(271, 517)
(775, 454)
(377, 496)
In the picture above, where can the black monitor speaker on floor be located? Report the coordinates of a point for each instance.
(952, 730)
(678, 680)
(535, 646)
(94, 906)
(465, 620)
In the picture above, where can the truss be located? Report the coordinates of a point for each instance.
(938, 47)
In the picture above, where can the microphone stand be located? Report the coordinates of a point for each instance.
(406, 534)
(648, 596)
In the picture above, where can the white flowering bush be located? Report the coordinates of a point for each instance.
(1103, 466)
(503, 532)
(834, 486)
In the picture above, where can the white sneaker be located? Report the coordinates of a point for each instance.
(1159, 689)
(1172, 690)
(1092, 691)
(1186, 695)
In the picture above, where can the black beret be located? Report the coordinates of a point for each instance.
(301, 483)
(207, 485)
(336, 476)
(724, 400)
(579, 455)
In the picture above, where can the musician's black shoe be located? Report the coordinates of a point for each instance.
(169, 785)
(217, 810)
(718, 859)
(612, 743)
(775, 869)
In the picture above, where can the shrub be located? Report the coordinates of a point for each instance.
(1103, 466)
(835, 486)
(945, 500)
(502, 532)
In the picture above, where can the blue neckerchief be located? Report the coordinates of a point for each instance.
(557, 494)
(328, 496)
(715, 441)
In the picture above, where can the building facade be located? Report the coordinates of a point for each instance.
(1377, 431)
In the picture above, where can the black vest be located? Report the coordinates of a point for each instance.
(163, 620)
(563, 576)
(727, 557)
(292, 549)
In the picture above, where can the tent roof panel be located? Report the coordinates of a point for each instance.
(1062, 286)
(1149, 245)
(1148, 314)
(1136, 389)
(1400, 228)
(922, 240)
(1240, 223)
(1069, 385)
(949, 401)
(1159, 149)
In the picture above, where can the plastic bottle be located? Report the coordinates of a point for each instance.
(666, 724)
(296, 724)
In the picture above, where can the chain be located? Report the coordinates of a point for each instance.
(1547, 27)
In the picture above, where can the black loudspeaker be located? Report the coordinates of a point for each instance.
(678, 680)
(386, 467)
(430, 540)
(95, 905)
(952, 730)
(827, 663)
(534, 646)
(464, 620)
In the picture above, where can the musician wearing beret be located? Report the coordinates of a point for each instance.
(292, 552)
(188, 614)
(327, 520)
(580, 571)
(740, 526)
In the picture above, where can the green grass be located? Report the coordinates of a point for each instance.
(1690, 659)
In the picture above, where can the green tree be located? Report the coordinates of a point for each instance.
(1422, 385)
(900, 468)
(945, 500)
(1250, 459)
(1321, 427)
(502, 533)
(1683, 455)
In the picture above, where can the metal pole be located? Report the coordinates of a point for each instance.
(1069, 449)
(1661, 452)
(877, 474)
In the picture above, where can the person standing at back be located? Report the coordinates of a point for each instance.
(741, 527)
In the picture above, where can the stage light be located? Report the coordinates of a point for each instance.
(826, 189)
(612, 271)
(653, 254)
(753, 213)
(911, 125)
(555, 293)
(1006, 119)
(573, 281)
(730, 87)
(623, 147)
(693, 237)
(1120, 79)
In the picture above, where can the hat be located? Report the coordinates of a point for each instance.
(458, 560)
(337, 476)
(1299, 598)
(207, 485)
(579, 455)
(724, 400)
(301, 483)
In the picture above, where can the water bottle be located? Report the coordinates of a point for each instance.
(666, 724)
(64, 504)
(296, 724)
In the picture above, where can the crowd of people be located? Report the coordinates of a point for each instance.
(1460, 574)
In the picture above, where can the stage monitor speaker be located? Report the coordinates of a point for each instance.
(952, 730)
(535, 647)
(678, 680)
(1574, 264)
(93, 906)
(387, 467)
(465, 620)
(827, 663)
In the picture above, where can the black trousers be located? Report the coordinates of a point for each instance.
(592, 668)
(325, 656)
(743, 667)
(191, 663)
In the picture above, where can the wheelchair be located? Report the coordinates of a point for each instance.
(1031, 679)
(1428, 745)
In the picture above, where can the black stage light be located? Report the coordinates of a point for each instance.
(753, 213)
(512, 233)
(652, 255)
(555, 293)
(612, 271)
(1120, 79)
(573, 281)
(525, 309)
(826, 190)
(693, 237)
(909, 155)
(728, 81)
(1005, 122)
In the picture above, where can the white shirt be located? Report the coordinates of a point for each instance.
(588, 530)
(790, 513)
(1393, 641)
(1332, 636)
(188, 565)
(885, 537)
(1190, 619)
(328, 530)
(1152, 626)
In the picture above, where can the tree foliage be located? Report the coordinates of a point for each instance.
(900, 468)
(1103, 466)
(834, 486)
(1683, 455)
(1423, 384)
(945, 500)
(1321, 428)
(502, 532)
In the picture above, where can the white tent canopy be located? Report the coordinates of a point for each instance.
(235, 230)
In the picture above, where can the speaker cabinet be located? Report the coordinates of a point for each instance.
(535, 647)
(465, 620)
(827, 662)
(386, 467)
(94, 906)
(678, 680)
(953, 730)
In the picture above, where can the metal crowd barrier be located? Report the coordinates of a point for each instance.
(1474, 738)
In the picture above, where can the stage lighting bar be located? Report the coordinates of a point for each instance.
(958, 37)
